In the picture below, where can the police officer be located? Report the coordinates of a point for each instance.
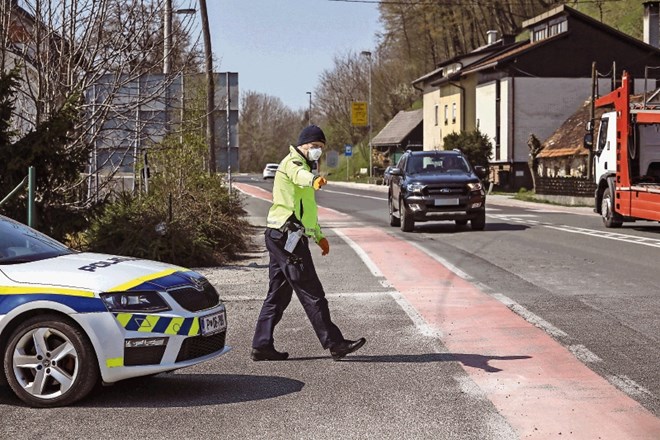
(292, 222)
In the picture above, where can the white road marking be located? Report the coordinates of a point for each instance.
(530, 317)
(629, 386)
(633, 239)
(362, 254)
(416, 318)
(584, 354)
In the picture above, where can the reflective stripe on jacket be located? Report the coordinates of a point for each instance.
(293, 194)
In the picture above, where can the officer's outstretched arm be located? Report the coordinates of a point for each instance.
(299, 175)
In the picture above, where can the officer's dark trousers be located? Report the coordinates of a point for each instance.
(293, 272)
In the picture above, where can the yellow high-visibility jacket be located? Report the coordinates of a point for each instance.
(293, 193)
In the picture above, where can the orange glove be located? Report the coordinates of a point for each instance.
(325, 246)
(319, 182)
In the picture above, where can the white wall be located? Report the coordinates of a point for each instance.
(486, 113)
(541, 105)
(432, 132)
(486, 101)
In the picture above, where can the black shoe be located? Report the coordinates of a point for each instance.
(268, 354)
(343, 348)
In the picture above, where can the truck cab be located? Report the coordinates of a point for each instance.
(626, 157)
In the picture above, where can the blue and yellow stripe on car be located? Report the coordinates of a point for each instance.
(82, 301)
(158, 324)
(156, 276)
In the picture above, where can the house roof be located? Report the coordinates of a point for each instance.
(563, 10)
(477, 55)
(398, 128)
(567, 140)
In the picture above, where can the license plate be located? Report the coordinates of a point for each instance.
(211, 324)
(446, 202)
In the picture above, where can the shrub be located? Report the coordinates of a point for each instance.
(188, 218)
(475, 146)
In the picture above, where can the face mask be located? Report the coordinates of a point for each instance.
(314, 153)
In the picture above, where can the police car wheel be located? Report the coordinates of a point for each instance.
(50, 362)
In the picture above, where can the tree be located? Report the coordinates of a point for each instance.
(474, 145)
(64, 50)
(267, 128)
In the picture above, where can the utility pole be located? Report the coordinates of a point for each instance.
(210, 87)
(367, 54)
(309, 114)
(167, 36)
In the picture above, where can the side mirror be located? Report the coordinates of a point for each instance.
(480, 171)
(590, 126)
(588, 141)
(396, 172)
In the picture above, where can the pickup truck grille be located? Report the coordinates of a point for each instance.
(447, 190)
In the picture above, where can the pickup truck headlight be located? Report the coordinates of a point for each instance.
(146, 301)
(415, 188)
(476, 186)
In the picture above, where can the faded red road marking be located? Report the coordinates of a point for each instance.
(541, 388)
(534, 382)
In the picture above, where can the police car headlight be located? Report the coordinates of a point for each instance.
(476, 186)
(415, 188)
(146, 301)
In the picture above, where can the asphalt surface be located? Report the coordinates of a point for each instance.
(403, 384)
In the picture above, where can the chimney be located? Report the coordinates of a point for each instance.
(652, 23)
(492, 35)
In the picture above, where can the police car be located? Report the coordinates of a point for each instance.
(69, 319)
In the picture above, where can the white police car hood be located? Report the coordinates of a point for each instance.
(89, 271)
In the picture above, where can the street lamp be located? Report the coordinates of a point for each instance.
(309, 114)
(367, 54)
(167, 32)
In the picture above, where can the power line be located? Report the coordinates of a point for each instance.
(455, 3)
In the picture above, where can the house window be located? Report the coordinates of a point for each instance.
(540, 33)
(557, 27)
(435, 114)
(446, 114)
(453, 113)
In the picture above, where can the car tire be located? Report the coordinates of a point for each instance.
(50, 362)
(407, 220)
(394, 221)
(461, 222)
(478, 223)
(610, 218)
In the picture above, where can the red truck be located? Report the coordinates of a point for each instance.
(627, 157)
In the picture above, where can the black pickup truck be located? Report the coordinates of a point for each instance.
(436, 185)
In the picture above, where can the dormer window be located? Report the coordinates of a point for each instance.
(557, 27)
(549, 29)
(451, 69)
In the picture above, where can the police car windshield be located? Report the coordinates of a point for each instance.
(21, 244)
(437, 163)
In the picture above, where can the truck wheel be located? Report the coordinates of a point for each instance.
(479, 222)
(407, 221)
(394, 221)
(610, 218)
(49, 362)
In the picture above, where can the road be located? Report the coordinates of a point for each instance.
(544, 325)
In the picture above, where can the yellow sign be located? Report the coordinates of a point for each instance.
(359, 114)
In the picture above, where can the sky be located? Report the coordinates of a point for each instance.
(281, 47)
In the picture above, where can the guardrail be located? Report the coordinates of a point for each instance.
(30, 178)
